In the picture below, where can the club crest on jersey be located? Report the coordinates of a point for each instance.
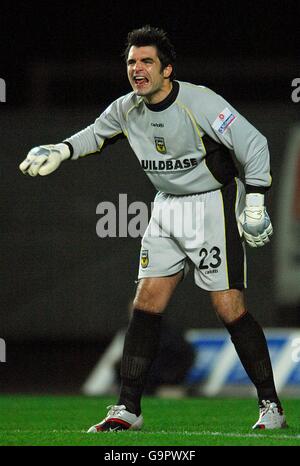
(160, 145)
(144, 258)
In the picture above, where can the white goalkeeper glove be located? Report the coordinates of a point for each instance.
(43, 160)
(255, 222)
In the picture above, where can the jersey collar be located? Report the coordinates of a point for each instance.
(169, 100)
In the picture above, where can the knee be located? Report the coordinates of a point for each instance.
(147, 304)
(148, 299)
(228, 305)
(153, 294)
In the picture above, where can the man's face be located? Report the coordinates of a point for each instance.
(145, 73)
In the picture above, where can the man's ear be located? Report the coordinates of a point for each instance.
(167, 71)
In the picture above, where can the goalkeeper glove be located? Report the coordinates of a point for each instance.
(255, 222)
(43, 160)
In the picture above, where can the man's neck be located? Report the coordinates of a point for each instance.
(159, 96)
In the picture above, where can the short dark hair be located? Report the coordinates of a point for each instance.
(148, 35)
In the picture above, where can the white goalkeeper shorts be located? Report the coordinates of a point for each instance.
(201, 229)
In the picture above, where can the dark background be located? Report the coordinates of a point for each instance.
(61, 285)
(224, 44)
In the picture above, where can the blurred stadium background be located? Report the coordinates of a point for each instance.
(65, 291)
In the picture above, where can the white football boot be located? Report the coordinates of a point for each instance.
(118, 418)
(270, 416)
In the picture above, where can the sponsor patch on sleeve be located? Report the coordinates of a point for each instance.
(223, 121)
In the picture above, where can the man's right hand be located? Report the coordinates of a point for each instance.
(43, 160)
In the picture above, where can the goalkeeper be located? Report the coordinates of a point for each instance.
(183, 135)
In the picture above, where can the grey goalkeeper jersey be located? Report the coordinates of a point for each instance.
(183, 143)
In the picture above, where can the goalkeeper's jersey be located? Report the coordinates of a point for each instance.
(183, 143)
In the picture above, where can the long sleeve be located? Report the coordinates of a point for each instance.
(92, 138)
(225, 125)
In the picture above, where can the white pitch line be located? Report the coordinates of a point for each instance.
(164, 432)
(230, 434)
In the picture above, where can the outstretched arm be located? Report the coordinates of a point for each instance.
(45, 159)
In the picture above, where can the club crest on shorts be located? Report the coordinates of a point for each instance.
(144, 258)
(160, 145)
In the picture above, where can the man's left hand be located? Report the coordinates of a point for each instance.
(255, 222)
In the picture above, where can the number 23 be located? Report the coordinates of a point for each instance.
(216, 256)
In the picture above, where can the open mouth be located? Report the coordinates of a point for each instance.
(140, 80)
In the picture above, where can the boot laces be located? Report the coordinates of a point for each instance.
(115, 410)
(266, 406)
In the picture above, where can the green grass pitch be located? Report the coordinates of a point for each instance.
(63, 420)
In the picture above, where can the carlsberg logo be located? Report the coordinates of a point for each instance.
(2, 90)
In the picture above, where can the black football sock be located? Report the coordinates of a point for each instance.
(140, 348)
(251, 346)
